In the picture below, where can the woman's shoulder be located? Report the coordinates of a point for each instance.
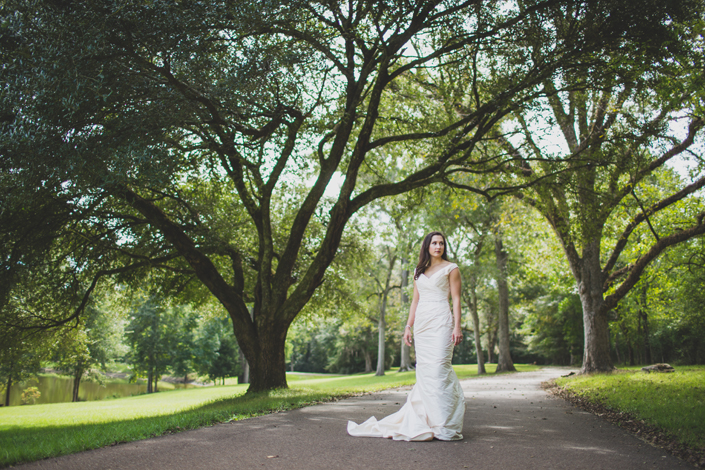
(449, 267)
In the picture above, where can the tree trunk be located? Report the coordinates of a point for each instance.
(645, 325)
(253, 348)
(149, 380)
(267, 362)
(597, 342)
(7, 392)
(504, 362)
(405, 364)
(76, 384)
(368, 361)
(630, 349)
(639, 350)
(382, 326)
(491, 339)
(596, 357)
(616, 348)
(244, 377)
(381, 353)
(647, 341)
(630, 353)
(472, 304)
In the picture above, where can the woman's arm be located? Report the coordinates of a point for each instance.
(454, 278)
(412, 316)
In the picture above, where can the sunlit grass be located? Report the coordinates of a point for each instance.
(675, 402)
(32, 436)
(90, 412)
(34, 432)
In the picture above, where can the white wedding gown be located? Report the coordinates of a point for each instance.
(436, 405)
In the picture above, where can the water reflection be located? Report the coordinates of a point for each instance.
(59, 389)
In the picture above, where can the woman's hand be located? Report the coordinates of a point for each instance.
(457, 335)
(407, 336)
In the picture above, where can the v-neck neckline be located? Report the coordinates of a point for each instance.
(436, 272)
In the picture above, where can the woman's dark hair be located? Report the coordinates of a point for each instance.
(425, 257)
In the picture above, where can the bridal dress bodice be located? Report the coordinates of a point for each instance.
(433, 310)
(436, 287)
(435, 407)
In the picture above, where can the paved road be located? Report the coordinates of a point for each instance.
(510, 424)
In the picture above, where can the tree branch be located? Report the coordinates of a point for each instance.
(662, 204)
(201, 264)
(52, 323)
(636, 270)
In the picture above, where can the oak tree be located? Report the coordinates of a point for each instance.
(210, 131)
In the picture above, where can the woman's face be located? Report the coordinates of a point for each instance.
(437, 246)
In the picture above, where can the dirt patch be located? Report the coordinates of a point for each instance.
(646, 432)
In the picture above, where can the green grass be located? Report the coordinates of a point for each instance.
(674, 402)
(30, 433)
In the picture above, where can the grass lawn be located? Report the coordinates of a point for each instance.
(34, 432)
(674, 402)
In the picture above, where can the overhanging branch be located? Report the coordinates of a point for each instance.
(201, 264)
(49, 323)
(662, 204)
(636, 270)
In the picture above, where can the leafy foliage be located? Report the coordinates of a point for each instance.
(215, 351)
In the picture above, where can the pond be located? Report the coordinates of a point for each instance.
(55, 389)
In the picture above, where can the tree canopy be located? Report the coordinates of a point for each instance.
(233, 142)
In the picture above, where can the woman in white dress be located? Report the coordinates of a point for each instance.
(435, 406)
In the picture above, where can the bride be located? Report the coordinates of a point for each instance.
(436, 405)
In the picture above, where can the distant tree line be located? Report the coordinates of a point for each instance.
(147, 334)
